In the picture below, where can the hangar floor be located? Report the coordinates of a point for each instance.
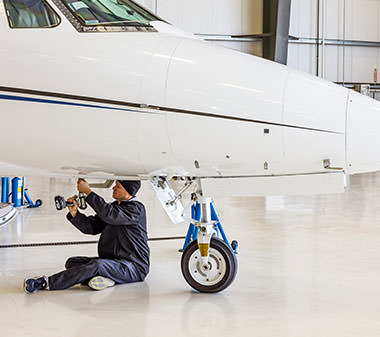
(308, 266)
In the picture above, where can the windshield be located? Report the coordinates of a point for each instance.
(109, 12)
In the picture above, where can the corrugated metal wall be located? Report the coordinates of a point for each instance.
(211, 16)
(223, 17)
(339, 19)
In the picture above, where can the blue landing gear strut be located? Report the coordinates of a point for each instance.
(208, 262)
(192, 232)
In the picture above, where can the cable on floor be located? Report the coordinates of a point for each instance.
(68, 243)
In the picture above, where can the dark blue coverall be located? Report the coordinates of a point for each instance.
(123, 249)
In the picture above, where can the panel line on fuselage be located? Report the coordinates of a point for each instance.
(143, 108)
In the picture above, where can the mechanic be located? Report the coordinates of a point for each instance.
(123, 249)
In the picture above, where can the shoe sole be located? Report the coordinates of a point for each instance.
(28, 292)
(100, 283)
(35, 290)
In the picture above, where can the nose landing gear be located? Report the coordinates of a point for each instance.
(208, 263)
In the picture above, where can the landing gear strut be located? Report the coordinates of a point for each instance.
(208, 263)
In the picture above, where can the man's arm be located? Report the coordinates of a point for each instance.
(114, 214)
(86, 224)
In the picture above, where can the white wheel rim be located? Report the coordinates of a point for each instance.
(212, 275)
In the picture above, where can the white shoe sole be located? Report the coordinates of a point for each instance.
(100, 283)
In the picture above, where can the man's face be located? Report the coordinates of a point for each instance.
(119, 193)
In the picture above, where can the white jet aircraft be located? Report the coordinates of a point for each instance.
(105, 89)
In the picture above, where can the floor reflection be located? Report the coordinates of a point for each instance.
(203, 313)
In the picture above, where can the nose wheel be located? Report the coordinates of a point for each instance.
(217, 274)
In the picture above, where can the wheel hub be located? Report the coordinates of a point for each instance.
(209, 274)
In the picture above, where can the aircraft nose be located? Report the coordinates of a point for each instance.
(280, 109)
(363, 134)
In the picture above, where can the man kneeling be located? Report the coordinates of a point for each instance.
(123, 249)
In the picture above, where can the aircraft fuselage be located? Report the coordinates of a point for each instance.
(156, 103)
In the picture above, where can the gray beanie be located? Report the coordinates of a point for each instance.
(131, 186)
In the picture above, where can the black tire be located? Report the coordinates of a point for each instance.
(220, 255)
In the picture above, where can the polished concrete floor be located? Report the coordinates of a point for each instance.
(308, 266)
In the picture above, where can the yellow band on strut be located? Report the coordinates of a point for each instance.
(203, 248)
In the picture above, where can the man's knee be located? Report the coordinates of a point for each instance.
(84, 263)
(76, 261)
(70, 262)
(95, 265)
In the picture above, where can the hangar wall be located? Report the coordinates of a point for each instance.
(350, 20)
(221, 18)
(356, 21)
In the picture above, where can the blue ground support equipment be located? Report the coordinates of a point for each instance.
(30, 203)
(5, 190)
(192, 232)
(17, 192)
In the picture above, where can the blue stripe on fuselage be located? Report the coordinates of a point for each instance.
(50, 101)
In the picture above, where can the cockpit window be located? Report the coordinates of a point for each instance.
(109, 12)
(30, 14)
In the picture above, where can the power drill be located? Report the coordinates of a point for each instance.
(61, 202)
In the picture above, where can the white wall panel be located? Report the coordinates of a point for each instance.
(360, 64)
(378, 22)
(343, 19)
(348, 65)
(233, 17)
(197, 16)
(333, 65)
(334, 19)
(303, 18)
(150, 4)
(302, 57)
(363, 62)
(171, 11)
(228, 17)
(362, 20)
(223, 17)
